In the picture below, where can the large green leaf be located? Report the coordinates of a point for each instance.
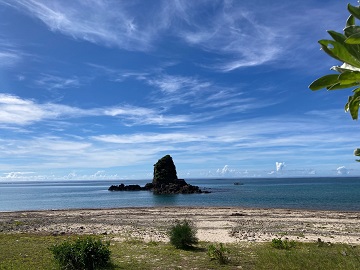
(349, 77)
(353, 39)
(354, 108)
(353, 104)
(351, 30)
(324, 82)
(337, 36)
(354, 11)
(341, 86)
(339, 52)
(352, 49)
(350, 21)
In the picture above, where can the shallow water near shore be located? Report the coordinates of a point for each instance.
(334, 193)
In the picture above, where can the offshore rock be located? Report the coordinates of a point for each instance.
(123, 187)
(165, 181)
(177, 187)
(164, 171)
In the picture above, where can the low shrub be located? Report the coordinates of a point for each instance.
(218, 253)
(183, 234)
(82, 254)
(282, 244)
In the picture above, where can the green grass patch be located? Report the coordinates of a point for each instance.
(308, 256)
(27, 251)
(84, 253)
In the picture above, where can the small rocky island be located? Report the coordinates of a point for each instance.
(165, 181)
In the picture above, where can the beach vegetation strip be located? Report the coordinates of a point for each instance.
(32, 251)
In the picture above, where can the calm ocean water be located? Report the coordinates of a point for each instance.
(337, 193)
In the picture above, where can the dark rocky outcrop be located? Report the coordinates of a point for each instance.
(165, 181)
(123, 187)
(164, 172)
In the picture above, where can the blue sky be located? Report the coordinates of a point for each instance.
(101, 89)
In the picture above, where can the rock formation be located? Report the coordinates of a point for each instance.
(165, 181)
(164, 171)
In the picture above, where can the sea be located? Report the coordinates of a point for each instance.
(318, 193)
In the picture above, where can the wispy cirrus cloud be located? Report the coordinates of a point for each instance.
(43, 152)
(150, 138)
(14, 110)
(110, 23)
(118, 75)
(9, 58)
(10, 55)
(265, 133)
(241, 39)
(171, 84)
(18, 111)
(206, 99)
(196, 94)
(235, 34)
(52, 82)
(145, 116)
(242, 143)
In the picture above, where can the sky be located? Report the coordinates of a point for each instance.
(102, 89)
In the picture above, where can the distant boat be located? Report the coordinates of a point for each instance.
(238, 183)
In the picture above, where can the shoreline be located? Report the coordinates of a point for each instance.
(214, 224)
(180, 207)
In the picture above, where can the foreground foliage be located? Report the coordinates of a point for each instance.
(219, 253)
(30, 252)
(87, 253)
(344, 47)
(282, 244)
(183, 234)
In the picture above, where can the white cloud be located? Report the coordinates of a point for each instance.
(225, 170)
(170, 84)
(110, 23)
(14, 110)
(279, 166)
(17, 111)
(9, 58)
(206, 99)
(17, 175)
(54, 82)
(145, 116)
(151, 138)
(236, 33)
(236, 142)
(10, 55)
(342, 170)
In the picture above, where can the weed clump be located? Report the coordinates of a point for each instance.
(82, 254)
(218, 253)
(282, 244)
(183, 234)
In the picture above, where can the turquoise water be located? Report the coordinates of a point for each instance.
(337, 193)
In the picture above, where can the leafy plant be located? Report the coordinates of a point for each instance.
(218, 253)
(183, 234)
(345, 48)
(282, 244)
(82, 254)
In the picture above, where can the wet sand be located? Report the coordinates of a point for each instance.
(214, 224)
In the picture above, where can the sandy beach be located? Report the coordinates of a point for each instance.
(220, 224)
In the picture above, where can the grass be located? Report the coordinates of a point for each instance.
(29, 251)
